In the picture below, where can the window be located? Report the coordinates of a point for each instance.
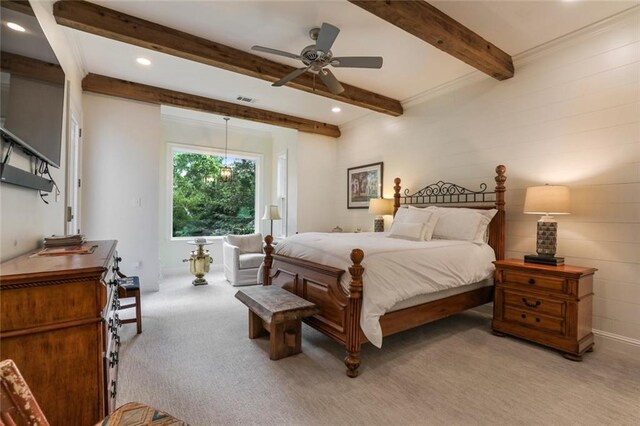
(202, 205)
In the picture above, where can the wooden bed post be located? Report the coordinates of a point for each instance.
(352, 361)
(396, 195)
(268, 260)
(500, 216)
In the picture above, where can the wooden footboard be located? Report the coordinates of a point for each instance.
(339, 316)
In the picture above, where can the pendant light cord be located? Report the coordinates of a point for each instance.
(226, 138)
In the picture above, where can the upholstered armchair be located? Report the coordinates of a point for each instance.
(242, 256)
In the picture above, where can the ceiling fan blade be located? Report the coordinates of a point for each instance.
(357, 62)
(331, 81)
(276, 52)
(327, 36)
(287, 78)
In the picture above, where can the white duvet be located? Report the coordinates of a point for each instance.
(394, 269)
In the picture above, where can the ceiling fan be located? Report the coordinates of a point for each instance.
(317, 57)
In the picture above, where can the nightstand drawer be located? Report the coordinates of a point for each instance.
(534, 282)
(534, 303)
(534, 320)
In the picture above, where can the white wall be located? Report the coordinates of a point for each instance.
(317, 179)
(569, 116)
(24, 218)
(205, 134)
(121, 157)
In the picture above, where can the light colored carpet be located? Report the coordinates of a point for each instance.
(194, 360)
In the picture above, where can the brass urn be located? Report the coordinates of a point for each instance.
(199, 261)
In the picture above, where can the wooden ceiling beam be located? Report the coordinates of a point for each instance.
(424, 21)
(31, 68)
(141, 92)
(21, 6)
(95, 19)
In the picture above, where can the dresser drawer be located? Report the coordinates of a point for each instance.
(531, 319)
(534, 282)
(534, 303)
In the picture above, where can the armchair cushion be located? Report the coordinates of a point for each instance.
(246, 243)
(250, 260)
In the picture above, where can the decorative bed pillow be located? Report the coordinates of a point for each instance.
(462, 223)
(428, 217)
(407, 231)
(246, 243)
(401, 215)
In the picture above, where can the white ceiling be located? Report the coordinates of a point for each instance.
(411, 66)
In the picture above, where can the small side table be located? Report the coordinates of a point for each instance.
(199, 261)
(550, 305)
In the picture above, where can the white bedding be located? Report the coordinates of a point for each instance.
(395, 269)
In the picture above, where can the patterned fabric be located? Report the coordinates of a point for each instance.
(137, 414)
(129, 283)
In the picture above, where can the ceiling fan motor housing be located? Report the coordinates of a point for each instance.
(317, 59)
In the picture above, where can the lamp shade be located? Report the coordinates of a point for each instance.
(381, 206)
(271, 213)
(547, 199)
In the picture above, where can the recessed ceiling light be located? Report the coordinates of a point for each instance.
(336, 109)
(143, 61)
(15, 27)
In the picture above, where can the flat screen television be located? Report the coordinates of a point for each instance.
(32, 86)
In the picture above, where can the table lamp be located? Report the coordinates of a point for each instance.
(546, 200)
(380, 207)
(271, 214)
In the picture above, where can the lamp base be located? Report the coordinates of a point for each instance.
(544, 260)
(546, 237)
(378, 224)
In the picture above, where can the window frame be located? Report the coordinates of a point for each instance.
(204, 150)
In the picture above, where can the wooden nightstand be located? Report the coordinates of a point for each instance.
(550, 305)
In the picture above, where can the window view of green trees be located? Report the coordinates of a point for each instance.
(205, 206)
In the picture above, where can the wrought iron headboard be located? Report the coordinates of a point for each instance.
(449, 193)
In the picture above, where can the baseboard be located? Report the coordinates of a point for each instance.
(616, 342)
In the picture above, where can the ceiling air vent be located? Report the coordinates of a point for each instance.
(246, 99)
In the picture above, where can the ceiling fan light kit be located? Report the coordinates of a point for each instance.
(317, 57)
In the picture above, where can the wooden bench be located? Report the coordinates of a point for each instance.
(277, 313)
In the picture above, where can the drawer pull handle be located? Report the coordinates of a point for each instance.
(523, 316)
(529, 304)
(531, 281)
(537, 319)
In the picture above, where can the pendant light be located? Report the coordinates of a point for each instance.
(226, 174)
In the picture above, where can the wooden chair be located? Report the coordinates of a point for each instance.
(18, 407)
(130, 287)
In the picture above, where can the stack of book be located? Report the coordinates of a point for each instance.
(63, 240)
(544, 260)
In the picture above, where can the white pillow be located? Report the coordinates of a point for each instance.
(407, 231)
(246, 243)
(462, 223)
(401, 215)
(428, 217)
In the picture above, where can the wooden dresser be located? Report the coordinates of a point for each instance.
(550, 305)
(58, 322)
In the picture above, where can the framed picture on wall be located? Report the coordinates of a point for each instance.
(363, 183)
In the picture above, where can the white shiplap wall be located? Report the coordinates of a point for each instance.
(571, 116)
